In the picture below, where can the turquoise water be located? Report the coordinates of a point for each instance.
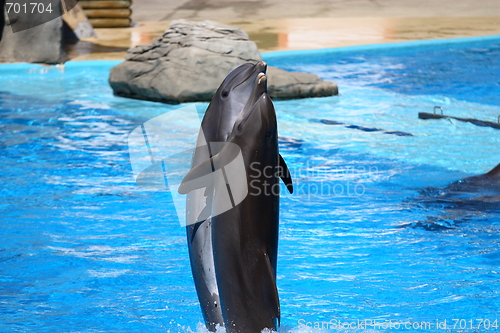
(364, 237)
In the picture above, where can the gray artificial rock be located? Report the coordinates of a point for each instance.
(289, 85)
(191, 59)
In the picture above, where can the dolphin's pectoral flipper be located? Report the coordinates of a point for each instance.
(269, 284)
(285, 174)
(202, 175)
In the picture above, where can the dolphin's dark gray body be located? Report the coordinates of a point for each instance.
(487, 183)
(491, 179)
(461, 200)
(216, 126)
(245, 238)
(495, 172)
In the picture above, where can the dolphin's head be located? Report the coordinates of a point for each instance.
(255, 133)
(229, 100)
(238, 85)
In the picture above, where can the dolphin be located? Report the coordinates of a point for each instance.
(461, 200)
(245, 238)
(217, 123)
(490, 180)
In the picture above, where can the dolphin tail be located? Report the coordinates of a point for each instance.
(285, 174)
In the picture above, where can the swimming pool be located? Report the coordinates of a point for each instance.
(86, 250)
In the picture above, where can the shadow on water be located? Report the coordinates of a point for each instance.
(359, 128)
(286, 143)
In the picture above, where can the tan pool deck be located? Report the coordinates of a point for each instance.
(277, 25)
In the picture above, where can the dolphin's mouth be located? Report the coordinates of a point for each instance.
(250, 103)
(260, 77)
(259, 67)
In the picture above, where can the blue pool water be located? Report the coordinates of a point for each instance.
(369, 234)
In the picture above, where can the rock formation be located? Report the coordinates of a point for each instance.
(190, 60)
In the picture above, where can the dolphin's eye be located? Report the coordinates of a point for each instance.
(225, 93)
